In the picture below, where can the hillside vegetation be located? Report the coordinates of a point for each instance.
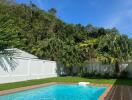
(46, 36)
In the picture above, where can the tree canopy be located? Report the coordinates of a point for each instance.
(46, 36)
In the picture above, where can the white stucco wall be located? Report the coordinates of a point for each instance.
(98, 67)
(28, 68)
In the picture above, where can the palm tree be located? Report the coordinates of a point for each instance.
(89, 50)
(113, 48)
(6, 57)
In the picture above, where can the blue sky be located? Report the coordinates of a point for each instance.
(100, 13)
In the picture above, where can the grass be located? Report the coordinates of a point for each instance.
(64, 79)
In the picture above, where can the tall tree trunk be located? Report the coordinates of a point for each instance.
(117, 69)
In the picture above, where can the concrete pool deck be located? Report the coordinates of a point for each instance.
(111, 93)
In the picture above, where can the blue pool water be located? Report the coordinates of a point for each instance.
(58, 92)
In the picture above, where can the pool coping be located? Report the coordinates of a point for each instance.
(103, 96)
(10, 91)
(5, 92)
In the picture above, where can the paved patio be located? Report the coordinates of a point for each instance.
(120, 93)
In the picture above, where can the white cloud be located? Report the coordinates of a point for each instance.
(119, 18)
(122, 17)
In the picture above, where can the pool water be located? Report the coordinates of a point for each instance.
(58, 92)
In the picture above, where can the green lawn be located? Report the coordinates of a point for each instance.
(64, 79)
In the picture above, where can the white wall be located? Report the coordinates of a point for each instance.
(28, 69)
(100, 68)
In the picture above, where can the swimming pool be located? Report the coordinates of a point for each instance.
(58, 92)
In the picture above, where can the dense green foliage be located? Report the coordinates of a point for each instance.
(44, 35)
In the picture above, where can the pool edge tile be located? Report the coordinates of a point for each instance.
(103, 96)
(5, 92)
